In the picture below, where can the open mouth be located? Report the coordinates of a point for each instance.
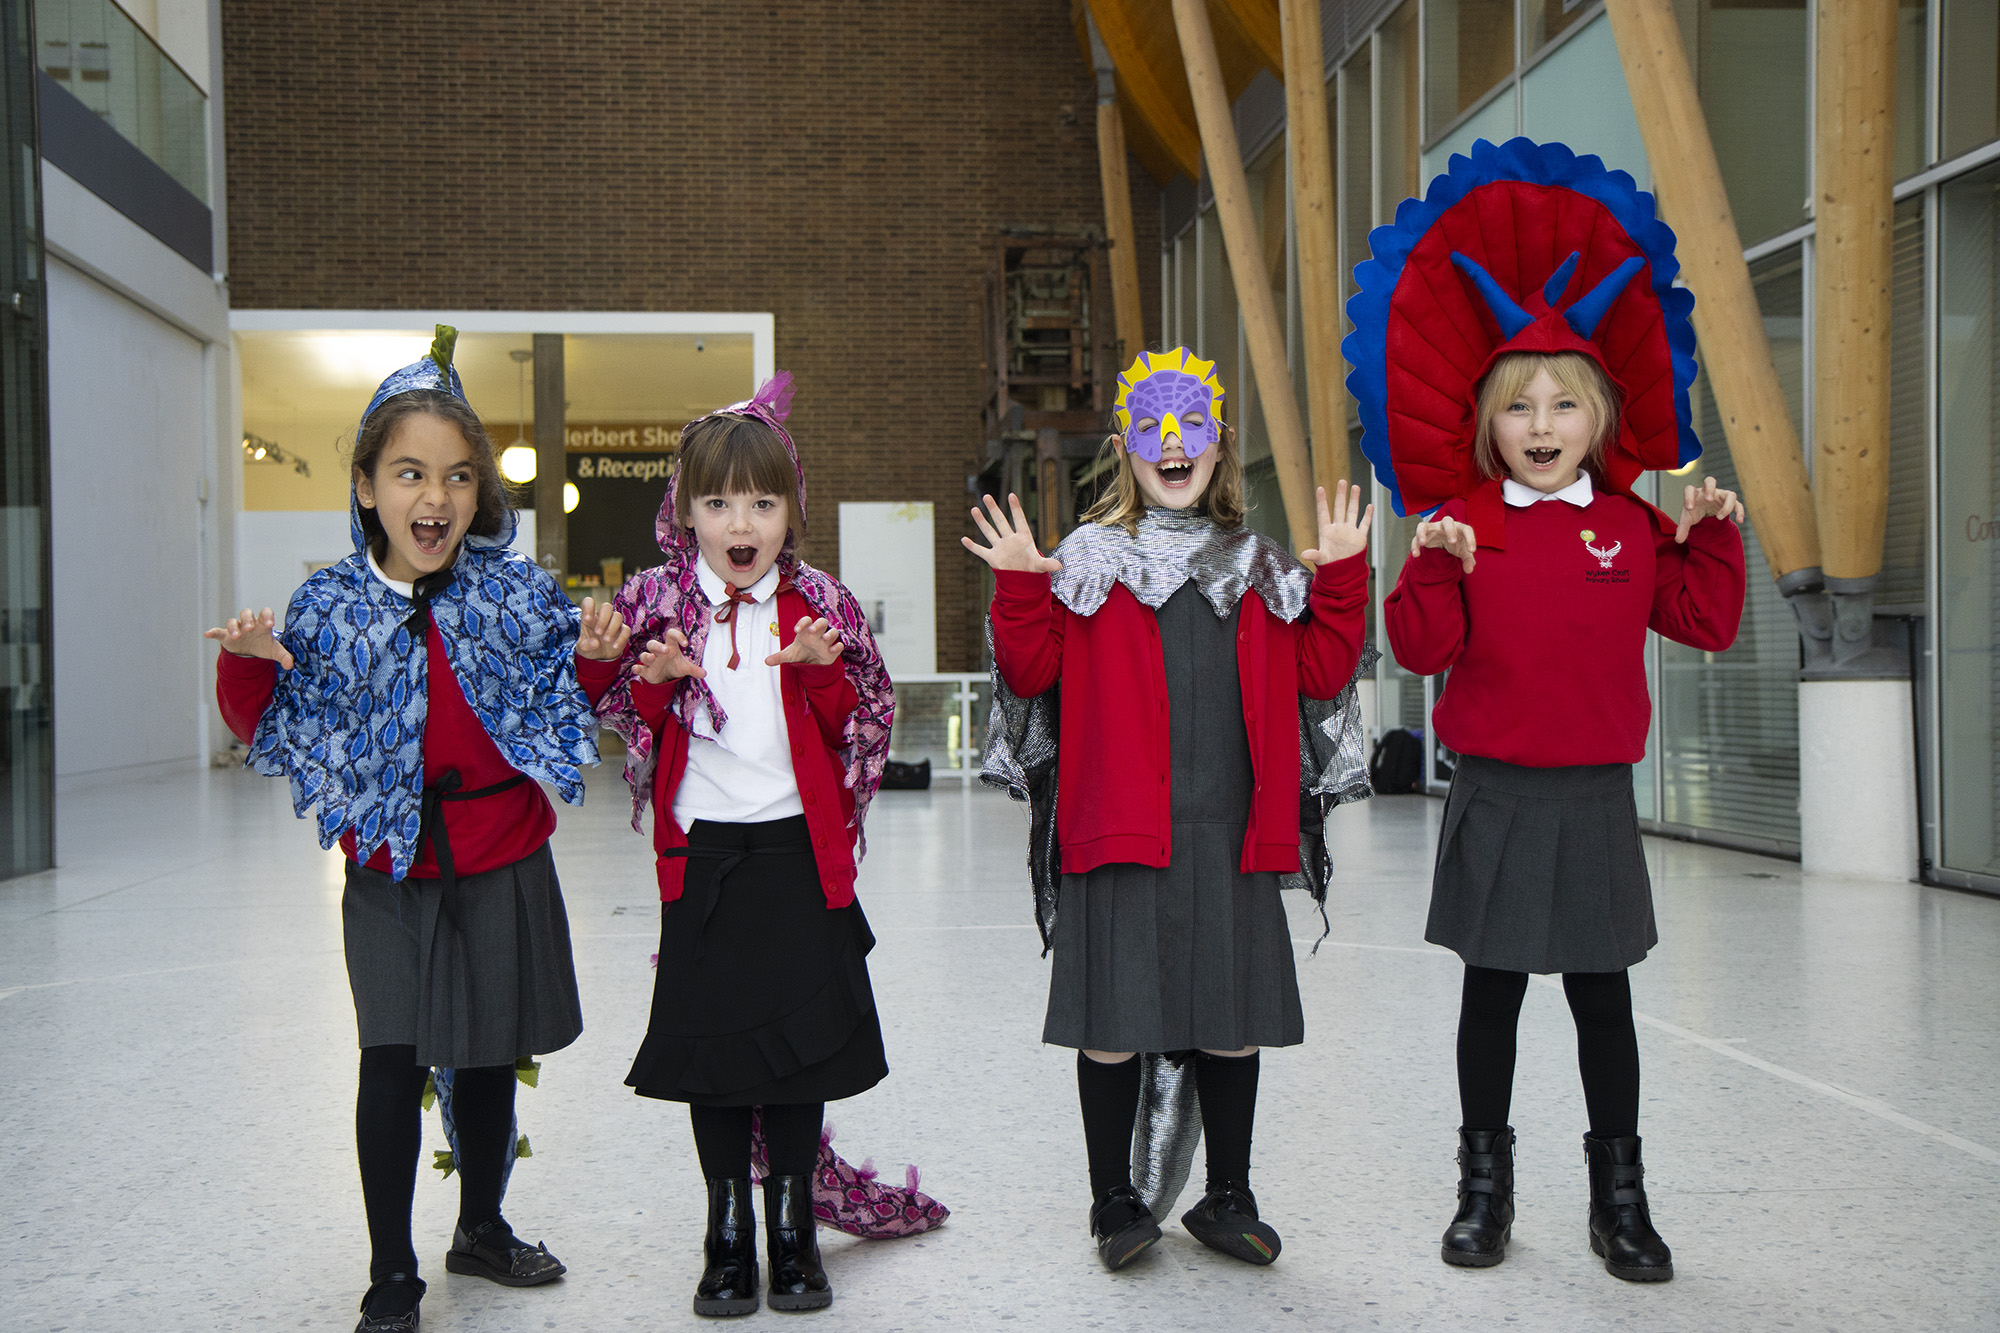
(431, 534)
(1544, 457)
(1176, 472)
(742, 559)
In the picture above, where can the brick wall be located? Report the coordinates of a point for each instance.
(842, 165)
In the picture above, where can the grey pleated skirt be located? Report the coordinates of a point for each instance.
(1195, 953)
(481, 977)
(1540, 869)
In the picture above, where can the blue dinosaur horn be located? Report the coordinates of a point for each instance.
(1511, 317)
(1588, 310)
(1558, 282)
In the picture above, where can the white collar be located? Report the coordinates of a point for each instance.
(715, 587)
(406, 589)
(1577, 493)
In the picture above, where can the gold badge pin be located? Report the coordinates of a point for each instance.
(1587, 535)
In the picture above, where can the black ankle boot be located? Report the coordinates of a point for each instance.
(1477, 1236)
(791, 1244)
(729, 1280)
(1621, 1226)
(1123, 1227)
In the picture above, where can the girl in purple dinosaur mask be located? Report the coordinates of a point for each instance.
(756, 709)
(1180, 642)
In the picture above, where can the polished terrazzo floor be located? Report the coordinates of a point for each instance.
(1821, 1063)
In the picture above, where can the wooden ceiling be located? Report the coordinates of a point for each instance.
(1153, 96)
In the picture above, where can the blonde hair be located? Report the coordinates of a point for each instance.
(1576, 374)
(1120, 504)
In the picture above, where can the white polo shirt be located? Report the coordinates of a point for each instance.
(742, 774)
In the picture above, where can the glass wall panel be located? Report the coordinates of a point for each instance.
(27, 704)
(1494, 121)
(1751, 62)
(1729, 722)
(1968, 297)
(1577, 96)
(1400, 136)
(1912, 52)
(1969, 70)
(1260, 474)
(1355, 205)
(1902, 584)
(1469, 48)
(91, 48)
(1181, 333)
(1216, 338)
(1550, 19)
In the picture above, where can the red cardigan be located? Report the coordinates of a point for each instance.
(1546, 637)
(1114, 791)
(816, 700)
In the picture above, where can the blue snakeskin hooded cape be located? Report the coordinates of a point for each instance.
(346, 724)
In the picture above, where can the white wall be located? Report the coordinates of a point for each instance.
(277, 548)
(127, 453)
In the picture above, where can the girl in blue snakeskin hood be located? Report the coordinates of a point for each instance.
(410, 695)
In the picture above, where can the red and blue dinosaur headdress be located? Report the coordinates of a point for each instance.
(1523, 247)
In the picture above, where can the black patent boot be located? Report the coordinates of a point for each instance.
(1477, 1236)
(729, 1252)
(791, 1244)
(1621, 1226)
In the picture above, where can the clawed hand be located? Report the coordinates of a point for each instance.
(602, 635)
(814, 643)
(1707, 502)
(666, 659)
(1344, 530)
(1010, 545)
(1449, 535)
(251, 634)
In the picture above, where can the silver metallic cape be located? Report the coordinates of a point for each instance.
(1171, 547)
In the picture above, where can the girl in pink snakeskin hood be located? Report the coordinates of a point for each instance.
(756, 709)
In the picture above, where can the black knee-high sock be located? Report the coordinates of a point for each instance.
(1607, 1050)
(1489, 1010)
(791, 1136)
(482, 1111)
(388, 1132)
(1228, 1088)
(722, 1140)
(1109, 1095)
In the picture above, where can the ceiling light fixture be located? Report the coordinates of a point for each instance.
(517, 460)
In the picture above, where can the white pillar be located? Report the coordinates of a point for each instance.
(1857, 792)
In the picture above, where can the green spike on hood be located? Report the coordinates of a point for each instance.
(441, 349)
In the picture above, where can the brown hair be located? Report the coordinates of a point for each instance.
(490, 515)
(1120, 504)
(1577, 374)
(732, 455)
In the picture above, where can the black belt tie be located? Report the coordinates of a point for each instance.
(731, 857)
(431, 824)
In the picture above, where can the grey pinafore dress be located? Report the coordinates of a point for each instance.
(1198, 954)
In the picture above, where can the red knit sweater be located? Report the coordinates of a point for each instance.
(1545, 639)
(1114, 790)
(486, 834)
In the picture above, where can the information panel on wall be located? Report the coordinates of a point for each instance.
(888, 562)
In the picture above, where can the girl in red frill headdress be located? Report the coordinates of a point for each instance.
(1521, 357)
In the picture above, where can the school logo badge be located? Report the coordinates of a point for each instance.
(1605, 555)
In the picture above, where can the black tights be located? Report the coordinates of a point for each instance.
(791, 1138)
(388, 1136)
(1607, 1049)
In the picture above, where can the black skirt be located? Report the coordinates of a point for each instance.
(1540, 869)
(480, 976)
(762, 995)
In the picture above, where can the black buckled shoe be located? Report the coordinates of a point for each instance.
(729, 1252)
(1226, 1220)
(791, 1246)
(1477, 1236)
(1123, 1227)
(1621, 1225)
(403, 1322)
(494, 1252)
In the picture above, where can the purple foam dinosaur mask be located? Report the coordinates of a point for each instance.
(1172, 395)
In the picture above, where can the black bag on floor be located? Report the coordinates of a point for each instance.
(1397, 763)
(899, 776)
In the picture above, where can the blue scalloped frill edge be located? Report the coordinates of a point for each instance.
(1522, 159)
